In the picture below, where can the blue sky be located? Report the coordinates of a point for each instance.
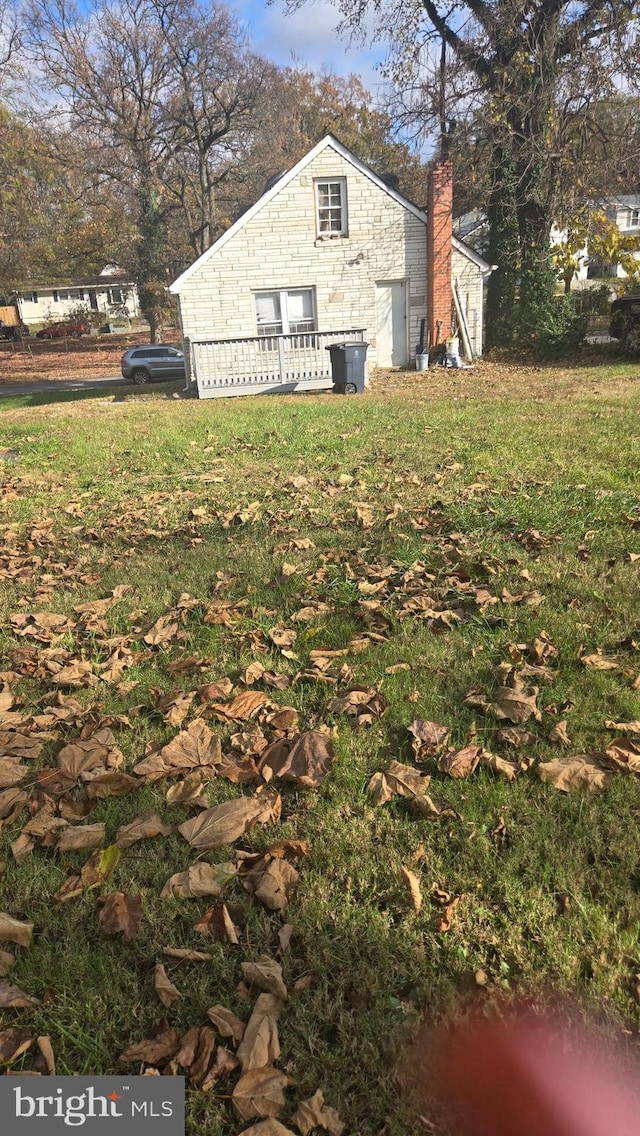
(307, 37)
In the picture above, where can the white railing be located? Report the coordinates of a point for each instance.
(247, 366)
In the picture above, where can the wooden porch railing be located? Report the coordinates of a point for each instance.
(252, 365)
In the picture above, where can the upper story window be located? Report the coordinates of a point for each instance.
(331, 207)
(633, 218)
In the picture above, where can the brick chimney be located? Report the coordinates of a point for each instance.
(439, 237)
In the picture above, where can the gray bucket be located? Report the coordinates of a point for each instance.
(422, 362)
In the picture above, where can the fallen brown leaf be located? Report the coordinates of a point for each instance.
(142, 828)
(270, 1127)
(260, 1092)
(314, 1113)
(266, 974)
(226, 823)
(260, 1045)
(46, 1056)
(226, 1023)
(199, 879)
(13, 1043)
(624, 754)
(80, 838)
(413, 884)
(120, 914)
(183, 953)
(597, 661)
(218, 922)
(164, 987)
(276, 885)
(162, 1044)
(305, 760)
(15, 930)
(460, 763)
(12, 997)
(583, 771)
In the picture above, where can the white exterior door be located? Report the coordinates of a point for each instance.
(391, 323)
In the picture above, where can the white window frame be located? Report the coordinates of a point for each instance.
(343, 231)
(633, 218)
(283, 294)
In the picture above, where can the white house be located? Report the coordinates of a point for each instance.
(329, 253)
(111, 293)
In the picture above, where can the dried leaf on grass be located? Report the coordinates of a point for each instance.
(218, 922)
(266, 974)
(226, 823)
(13, 1043)
(46, 1059)
(597, 661)
(260, 1092)
(15, 930)
(269, 1127)
(12, 997)
(80, 838)
(164, 987)
(7, 960)
(226, 1023)
(276, 885)
(413, 884)
(111, 784)
(428, 737)
(120, 914)
(162, 1044)
(305, 760)
(460, 763)
(191, 748)
(403, 781)
(558, 734)
(142, 828)
(582, 771)
(260, 1044)
(501, 765)
(314, 1113)
(517, 702)
(624, 754)
(632, 727)
(184, 954)
(199, 879)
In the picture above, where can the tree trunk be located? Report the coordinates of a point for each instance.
(502, 251)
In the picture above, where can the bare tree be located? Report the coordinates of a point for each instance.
(155, 89)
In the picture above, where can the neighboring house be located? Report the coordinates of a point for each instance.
(329, 253)
(624, 211)
(111, 293)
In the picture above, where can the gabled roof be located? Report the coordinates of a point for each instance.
(328, 142)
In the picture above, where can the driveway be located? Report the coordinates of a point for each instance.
(15, 390)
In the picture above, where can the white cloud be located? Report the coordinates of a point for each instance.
(308, 37)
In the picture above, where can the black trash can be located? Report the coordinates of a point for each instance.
(347, 367)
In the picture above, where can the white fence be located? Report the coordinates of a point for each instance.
(223, 367)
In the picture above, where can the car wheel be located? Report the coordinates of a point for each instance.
(140, 376)
(76, 334)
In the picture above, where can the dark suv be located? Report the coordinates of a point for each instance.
(624, 322)
(151, 362)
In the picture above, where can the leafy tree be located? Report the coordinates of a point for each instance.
(47, 230)
(529, 69)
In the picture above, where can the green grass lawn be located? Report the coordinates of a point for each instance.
(428, 542)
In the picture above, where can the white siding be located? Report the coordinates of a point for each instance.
(277, 248)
